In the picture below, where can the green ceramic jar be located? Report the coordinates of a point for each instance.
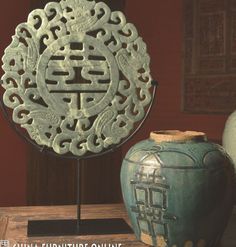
(178, 189)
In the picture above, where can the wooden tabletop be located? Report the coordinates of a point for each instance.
(13, 225)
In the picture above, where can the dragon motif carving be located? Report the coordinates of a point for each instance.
(77, 76)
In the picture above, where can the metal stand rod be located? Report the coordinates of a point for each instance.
(77, 226)
(79, 170)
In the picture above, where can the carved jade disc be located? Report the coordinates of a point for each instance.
(77, 76)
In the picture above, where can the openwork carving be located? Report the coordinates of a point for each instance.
(77, 76)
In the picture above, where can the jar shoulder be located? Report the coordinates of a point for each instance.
(187, 154)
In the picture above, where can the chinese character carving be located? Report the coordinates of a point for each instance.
(77, 76)
(4, 243)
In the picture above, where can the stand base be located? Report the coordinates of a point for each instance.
(46, 228)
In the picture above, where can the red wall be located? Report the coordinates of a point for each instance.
(13, 157)
(160, 24)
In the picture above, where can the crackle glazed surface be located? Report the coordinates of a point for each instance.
(77, 76)
(178, 193)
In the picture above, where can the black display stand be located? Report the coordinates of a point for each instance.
(77, 226)
(71, 227)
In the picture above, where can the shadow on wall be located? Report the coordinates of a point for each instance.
(13, 149)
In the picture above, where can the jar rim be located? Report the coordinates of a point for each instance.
(177, 136)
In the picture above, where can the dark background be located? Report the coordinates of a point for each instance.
(28, 177)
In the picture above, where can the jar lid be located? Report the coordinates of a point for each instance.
(177, 136)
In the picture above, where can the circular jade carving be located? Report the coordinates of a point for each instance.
(77, 76)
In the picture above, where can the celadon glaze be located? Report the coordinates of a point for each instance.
(178, 189)
(229, 136)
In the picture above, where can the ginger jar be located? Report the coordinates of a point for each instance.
(178, 189)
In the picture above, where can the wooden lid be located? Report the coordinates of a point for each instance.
(177, 136)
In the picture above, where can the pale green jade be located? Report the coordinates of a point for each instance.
(77, 76)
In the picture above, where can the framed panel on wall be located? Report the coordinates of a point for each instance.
(209, 60)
